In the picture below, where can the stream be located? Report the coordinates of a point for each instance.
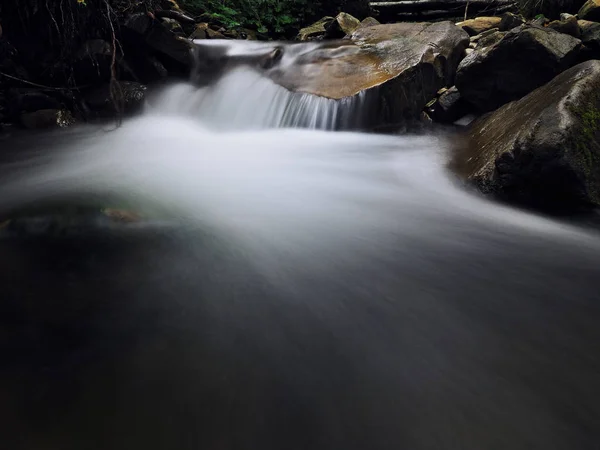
(291, 288)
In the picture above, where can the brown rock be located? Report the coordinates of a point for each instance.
(479, 24)
(590, 10)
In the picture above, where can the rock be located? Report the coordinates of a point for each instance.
(172, 25)
(47, 118)
(407, 63)
(567, 26)
(247, 34)
(510, 21)
(142, 31)
(590, 10)
(213, 34)
(490, 39)
(566, 16)
(479, 24)
(540, 21)
(30, 100)
(449, 107)
(163, 41)
(317, 30)
(483, 35)
(525, 58)
(200, 31)
(544, 149)
(347, 23)
(369, 22)
(590, 35)
(128, 95)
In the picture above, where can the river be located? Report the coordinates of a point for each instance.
(292, 288)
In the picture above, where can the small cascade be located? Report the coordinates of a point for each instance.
(244, 99)
(232, 89)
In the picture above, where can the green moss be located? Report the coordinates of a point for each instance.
(585, 139)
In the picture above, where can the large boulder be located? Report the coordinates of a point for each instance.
(525, 58)
(407, 62)
(544, 149)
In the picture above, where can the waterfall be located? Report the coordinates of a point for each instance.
(244, 99)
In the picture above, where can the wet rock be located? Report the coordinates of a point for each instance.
(317, 30)
(590, 10)
(510, 21)
(47, 118)
(449, 106)
(568, 26)
(108, 100)
(544, 149)
(525, 58)
(406, 62)
(479, 24)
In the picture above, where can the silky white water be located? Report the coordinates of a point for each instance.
(306, 289)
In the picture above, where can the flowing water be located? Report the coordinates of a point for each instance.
(291, 289)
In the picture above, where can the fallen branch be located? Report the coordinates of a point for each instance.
(176, 15)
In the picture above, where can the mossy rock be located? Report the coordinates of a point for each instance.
(544, 149)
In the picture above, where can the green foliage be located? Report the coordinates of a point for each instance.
(276, 17)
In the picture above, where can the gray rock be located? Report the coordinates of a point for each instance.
(449, 106)
(490, 39)
(590, 35)
(568, 26)
(510, 21)
(525, 58)
(544, 149)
